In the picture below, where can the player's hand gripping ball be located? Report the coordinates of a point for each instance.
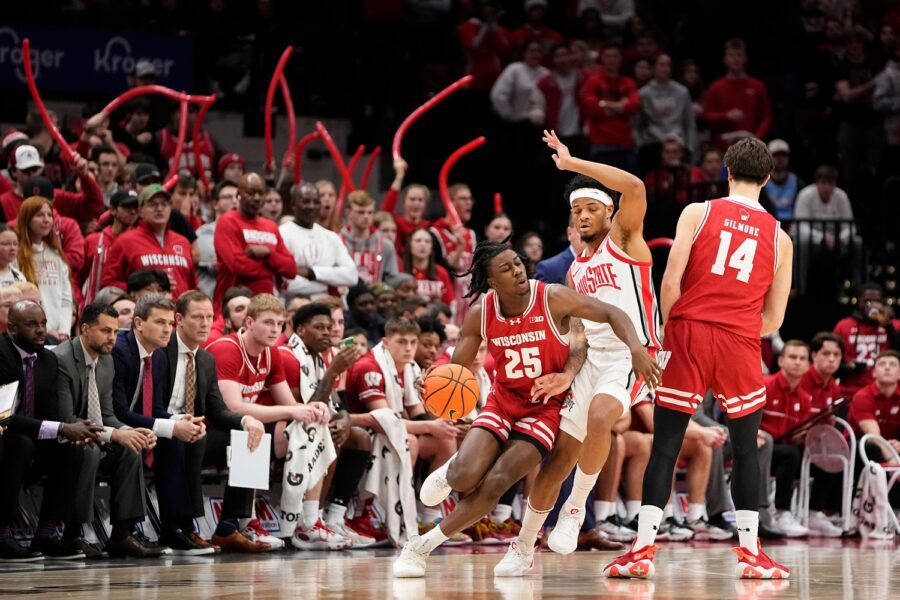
(451, 392)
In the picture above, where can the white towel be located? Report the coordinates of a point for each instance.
(398, 394)
(871, 506)
(389, 479)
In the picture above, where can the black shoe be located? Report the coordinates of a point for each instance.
(56, 549)
(768, 534)
(11, 551)
(133, 546)
(183, 545)
(720, 522)
(157, 545)
(90, 550)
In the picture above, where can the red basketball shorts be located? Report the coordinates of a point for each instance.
(697, 356)
(513, 418)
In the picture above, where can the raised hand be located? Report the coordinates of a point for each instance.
(562, 154)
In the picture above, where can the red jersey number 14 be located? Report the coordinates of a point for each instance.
(741, 259)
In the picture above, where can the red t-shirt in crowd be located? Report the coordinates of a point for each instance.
(81, 206)
(785, 407)
(824, 393)
(439, 288)
(485, 51)
(139, 248)
(746, 94)
(91, 244)
(863, 341)
(255, 374)
(870, 404)
(607, 129)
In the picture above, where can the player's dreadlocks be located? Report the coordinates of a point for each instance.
(485, 251)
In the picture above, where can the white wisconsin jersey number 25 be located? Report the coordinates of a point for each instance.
(523, 363)
(741, 259)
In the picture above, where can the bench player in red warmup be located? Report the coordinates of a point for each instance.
(726, 284)
(526, 324)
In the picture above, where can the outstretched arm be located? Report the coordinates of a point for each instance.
(678, 256)
(629, 219)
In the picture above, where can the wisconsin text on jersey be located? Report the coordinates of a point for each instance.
(519, 338)
(254, 236)
(164, 260)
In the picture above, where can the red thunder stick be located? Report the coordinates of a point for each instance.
(498, 203)
(172, 177)
(428, 105)
(289, 109)
(153, 89)
(298, 153)
(270, 97)
(67, 152)
(198, 122)
(660, 243)
(342, 193)
(336, 156)
(364, 182)
(452, 215)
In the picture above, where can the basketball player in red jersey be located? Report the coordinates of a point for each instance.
(726, 284)
(526, 325)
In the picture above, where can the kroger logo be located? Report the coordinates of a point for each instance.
(116, 58)
(11, 54)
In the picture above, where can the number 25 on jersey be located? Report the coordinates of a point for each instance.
(521, 363)
(741, 259)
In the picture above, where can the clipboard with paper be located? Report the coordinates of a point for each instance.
(246, 468)
(8, 395)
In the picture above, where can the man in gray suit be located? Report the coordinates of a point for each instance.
(84, 390)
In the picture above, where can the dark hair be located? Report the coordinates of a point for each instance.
(186, 180)
(826, 173)
(583, 181)
(430, 271)
(147, 303)
(887, 354)
(432, 325)
(437, 308)
(558, 46)
(221, 186)
(354, 332)
(143, 278)
(91, 313)
(305, 314)
(356, 291)
(484, 253)
(185, 299)
(409, 304)
(735, 43)
(141, 103)
(400, 326)
(5, 227)
(232, 293)
(871, 286)
(96, 151)
(818, 341)
(749, 160)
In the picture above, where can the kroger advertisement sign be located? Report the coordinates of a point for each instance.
(71, 60)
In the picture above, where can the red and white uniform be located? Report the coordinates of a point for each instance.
(524, 347)
(611, 276)
(824, 393)
(255, 374)
(139, 248)
(207, 150)
(785, 407)
(440, 288)
(863, 341)
(869, 404)
(712, 336)
(366, 384)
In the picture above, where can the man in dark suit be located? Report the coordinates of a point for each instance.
(35, 431)
(139, 398)
(84, 390)
(555, 268)
(192, 390)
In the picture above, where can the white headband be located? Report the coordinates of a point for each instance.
(592, 194)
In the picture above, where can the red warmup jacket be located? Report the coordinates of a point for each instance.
(744, 93)
(486, 55)
(233, 234)
(604, 129)
(81, 206)
(553, 97)
(140, 249)
(785, 408)
(91, 244)
(71, 240)
(405, 227)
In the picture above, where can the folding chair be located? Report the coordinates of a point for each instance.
(832, 448)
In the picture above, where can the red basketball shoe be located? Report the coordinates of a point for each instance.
(758, 566)
(636, 564)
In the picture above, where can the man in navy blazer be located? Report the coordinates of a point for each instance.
(139, 354)
(555, 268)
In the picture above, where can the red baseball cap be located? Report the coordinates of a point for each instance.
(230, 158)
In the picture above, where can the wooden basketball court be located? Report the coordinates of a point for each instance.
(822, 569)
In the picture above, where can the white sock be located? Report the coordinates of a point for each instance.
(581, 487)
(532, 522)
(632, 507)
(747, 526)
(668, 512)
(602, 509)
(434, 538)
(502, 513)
(649, 518)
(429, 515)
(335, 514)
(310, 512)
(695, 512)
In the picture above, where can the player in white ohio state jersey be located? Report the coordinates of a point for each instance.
(614, 268)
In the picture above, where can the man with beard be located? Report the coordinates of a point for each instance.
(250, 249)
(321, 258)
(866, 333)
(363, 314)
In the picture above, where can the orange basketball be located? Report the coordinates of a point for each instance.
(451, 392)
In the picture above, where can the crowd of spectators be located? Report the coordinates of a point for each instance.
(176, 315)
